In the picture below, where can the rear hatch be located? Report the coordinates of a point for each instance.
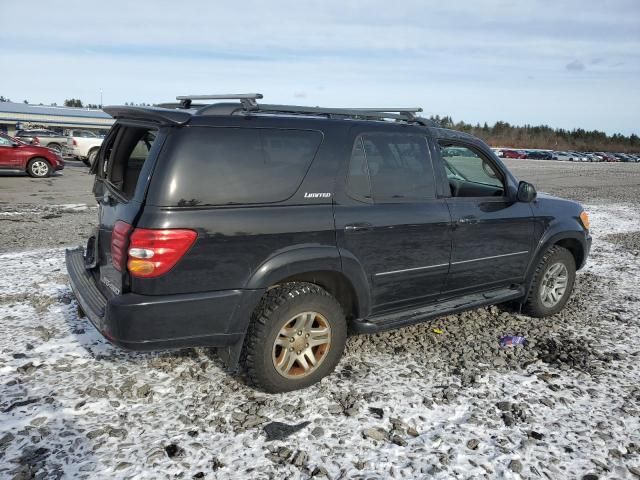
(122, 171)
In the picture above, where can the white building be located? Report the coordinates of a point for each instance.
(16, 116)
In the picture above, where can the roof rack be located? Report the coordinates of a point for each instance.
(249, 105)
(248, 100)
(406, 114)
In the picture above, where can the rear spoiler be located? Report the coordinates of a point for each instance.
(160, 116)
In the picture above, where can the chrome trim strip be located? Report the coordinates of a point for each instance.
(411, 269)
(489, 258)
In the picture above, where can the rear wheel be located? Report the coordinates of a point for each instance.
(92, 157)
(39, 168)
(552, 283)
(296, 337)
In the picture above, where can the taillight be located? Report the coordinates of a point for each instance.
(36, 141)
(154, 252)
(119, 237)
(75, 142)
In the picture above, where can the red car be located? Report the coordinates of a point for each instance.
(513, 154)
(17, 156)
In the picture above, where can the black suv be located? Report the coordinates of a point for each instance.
(270, 231)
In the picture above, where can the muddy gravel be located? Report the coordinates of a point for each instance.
(629, 241)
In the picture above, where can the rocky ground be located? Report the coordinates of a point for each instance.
(441, 399)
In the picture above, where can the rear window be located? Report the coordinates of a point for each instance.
(225, 166)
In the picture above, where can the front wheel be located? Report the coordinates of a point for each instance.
(296, 337)
(552, 283)
(39, 168)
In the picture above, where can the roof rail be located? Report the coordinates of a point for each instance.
(248, 100)
(364, 113)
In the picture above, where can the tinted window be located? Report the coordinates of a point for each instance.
(398, 168)
(222, 166)
(358, 178)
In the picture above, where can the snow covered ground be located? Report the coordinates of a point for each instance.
(403, 404)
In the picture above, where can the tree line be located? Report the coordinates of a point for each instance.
(503, 134)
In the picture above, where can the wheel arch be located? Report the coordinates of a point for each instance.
(342, 276)
(573, 240)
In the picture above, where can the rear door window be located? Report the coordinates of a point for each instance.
(226, 166)
(391, 168)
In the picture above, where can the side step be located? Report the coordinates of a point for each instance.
(380, 323)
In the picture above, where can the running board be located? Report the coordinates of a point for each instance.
(380, 323)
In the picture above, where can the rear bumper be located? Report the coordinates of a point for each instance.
(143, 322)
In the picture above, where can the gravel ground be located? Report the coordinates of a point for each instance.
(404, 404)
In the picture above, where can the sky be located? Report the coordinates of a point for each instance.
(571, 64)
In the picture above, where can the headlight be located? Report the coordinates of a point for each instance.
(584, 218)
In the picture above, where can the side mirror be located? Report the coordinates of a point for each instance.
(526, 192)
(15, 144)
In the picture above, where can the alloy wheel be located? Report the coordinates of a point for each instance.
(302, 345)
(554, 284)
(39, 168)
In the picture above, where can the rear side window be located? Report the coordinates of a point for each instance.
(391, 168)
(226, 166)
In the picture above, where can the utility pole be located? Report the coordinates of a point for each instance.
(100, 98)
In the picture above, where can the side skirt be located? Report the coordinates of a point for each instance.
(410, 317)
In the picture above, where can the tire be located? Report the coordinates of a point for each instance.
(303, 311)
(38, 168)
(91, 158)
(546, 296)
(55, 147)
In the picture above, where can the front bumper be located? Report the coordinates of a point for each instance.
(144, 322)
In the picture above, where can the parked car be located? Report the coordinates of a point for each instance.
(83, 145)
(279, 230)
(580, 157)
(18, 156)
(539, 155)
(563, 156)
(513, 154)
(42, 137)
(607, 157)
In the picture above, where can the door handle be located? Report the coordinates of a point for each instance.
(358, 227)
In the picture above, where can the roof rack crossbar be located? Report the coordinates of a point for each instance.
(248, 100)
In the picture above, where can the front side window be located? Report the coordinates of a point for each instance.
(470, 174)
(391, 168)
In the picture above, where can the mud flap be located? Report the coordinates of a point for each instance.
(230, 355)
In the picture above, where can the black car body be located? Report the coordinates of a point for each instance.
(276, 196)
(539, 155)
